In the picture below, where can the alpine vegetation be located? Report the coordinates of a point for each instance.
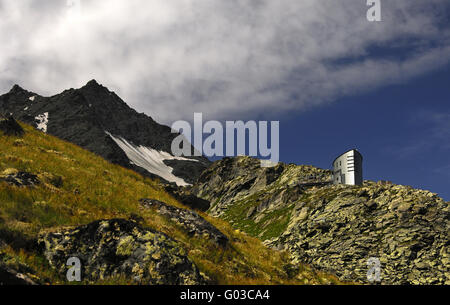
(67, 215)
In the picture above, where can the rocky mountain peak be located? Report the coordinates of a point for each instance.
(98, 120)
(95, 86)
(97, 94)
(16, 89)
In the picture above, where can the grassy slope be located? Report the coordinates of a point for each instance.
(272, 224)
(93, 189)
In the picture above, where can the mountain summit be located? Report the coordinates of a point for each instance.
(97, 119)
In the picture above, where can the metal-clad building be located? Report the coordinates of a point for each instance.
(348, 169)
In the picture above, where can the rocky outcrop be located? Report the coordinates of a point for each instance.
(185, 196)
(334, 228)
(121, 248)
(19, 178)
(190, 221)
(337, 229)
(234, 179)
(9, 127)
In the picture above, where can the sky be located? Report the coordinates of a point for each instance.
(334, 80)
(402, 131)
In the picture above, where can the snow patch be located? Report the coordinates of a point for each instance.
(32, 98)
(42, 122)
(25, 109)
(150, 159)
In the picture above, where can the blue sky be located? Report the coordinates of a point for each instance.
(403, 131)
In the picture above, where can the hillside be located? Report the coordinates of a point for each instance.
(335, 228)
(100, 121)
(58, 200)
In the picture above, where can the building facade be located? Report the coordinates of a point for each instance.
(348, 168)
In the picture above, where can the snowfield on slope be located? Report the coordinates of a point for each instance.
(150, 159)
(42, 122)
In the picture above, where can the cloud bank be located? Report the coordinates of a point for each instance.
(245, 58)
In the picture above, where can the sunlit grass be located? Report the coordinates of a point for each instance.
(79, 187)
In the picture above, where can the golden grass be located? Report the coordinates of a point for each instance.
(80, 187)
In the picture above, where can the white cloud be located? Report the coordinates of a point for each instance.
(170, 58)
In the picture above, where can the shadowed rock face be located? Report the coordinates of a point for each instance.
(10, 127)
(82, 116)
(190, 221)
(122, 248)
(17, 275)
(334, 228)
(185, 196)
(9, 276)
(19, 178)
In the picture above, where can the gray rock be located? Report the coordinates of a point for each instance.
(121, 248)
(190, 221)
(19, 178)
(335, 228)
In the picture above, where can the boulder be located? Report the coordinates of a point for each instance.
(120, 248)
(19, 178)
(190, 221)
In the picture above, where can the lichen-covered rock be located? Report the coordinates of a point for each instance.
(19, 178)
(334, 228)
(233, 179)
(190, 221)
(338, 228)
(121, 248)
